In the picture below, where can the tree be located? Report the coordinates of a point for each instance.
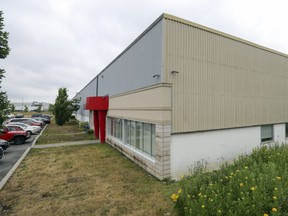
(39, 108)
(26, 108)
(11, 107)
(63, 108)
(4, 51)
(51, 108)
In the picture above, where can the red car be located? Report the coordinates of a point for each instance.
(17, 136)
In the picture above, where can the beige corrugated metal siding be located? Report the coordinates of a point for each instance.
(223, 81)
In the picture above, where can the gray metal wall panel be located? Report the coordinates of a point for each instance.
(136, 66)
(88, 91)
(222, 82)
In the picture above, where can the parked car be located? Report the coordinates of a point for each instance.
(19, 115)
(18, 128)
(30, 129)
(18, 136)
(46, 118)
(4, 144)
(41, 119)
(30, 121)
(10, 116)
(1, 152)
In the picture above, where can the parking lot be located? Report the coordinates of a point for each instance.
(12, 154)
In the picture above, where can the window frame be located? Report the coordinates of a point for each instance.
(267, 138)
(132, 134)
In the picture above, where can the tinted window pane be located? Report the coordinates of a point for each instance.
(139, 137)
(266, 133)
(127, 132)
(147, 138)
(133, 133)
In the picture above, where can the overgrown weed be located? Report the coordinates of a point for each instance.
(255, 184)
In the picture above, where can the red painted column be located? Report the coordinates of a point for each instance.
(102, 124)
(100, 106)
(96, 124)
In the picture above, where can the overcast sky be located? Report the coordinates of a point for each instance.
(66, 43)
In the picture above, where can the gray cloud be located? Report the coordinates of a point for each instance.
(66, 43)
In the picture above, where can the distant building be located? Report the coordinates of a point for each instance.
(20, 106)
(182, 93)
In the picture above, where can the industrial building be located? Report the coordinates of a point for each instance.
(182, 93)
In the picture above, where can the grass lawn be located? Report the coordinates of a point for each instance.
(68, 132)
(83, 180)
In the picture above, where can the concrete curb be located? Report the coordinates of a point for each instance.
(12, 170)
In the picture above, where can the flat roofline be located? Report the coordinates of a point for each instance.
(127, 48)
(190, 23)
(205, 28)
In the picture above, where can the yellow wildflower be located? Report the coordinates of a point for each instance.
(276, 189)
(274, 209)
(252, 188)
(179, 191)
(274, 197)
(203, 206)
(265, 214)
(174, 197)
(278, 178)
(241, 184)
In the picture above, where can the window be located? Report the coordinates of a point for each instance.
(266, 133)
(139, 135)
(118, 128)
(114, 126)
(153, 139)
(110, 126)
(286, 130)
(149, 138)
(133, 133)
(127, 132)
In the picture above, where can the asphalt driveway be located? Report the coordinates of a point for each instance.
(11, 156)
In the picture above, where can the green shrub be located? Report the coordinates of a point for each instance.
(90, 131)
(255, 184)
(83, 124)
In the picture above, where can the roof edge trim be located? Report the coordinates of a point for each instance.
(205, 28)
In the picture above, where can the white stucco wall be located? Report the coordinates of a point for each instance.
(279, 133)
(215, 147)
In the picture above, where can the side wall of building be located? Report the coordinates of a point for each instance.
(136, 66)
(222, 81)
(89, 90)
(134, 110)
(216, 147)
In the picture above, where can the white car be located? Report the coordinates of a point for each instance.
(30, 129)
(11, 116)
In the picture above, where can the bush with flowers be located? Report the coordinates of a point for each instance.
(255, 184)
